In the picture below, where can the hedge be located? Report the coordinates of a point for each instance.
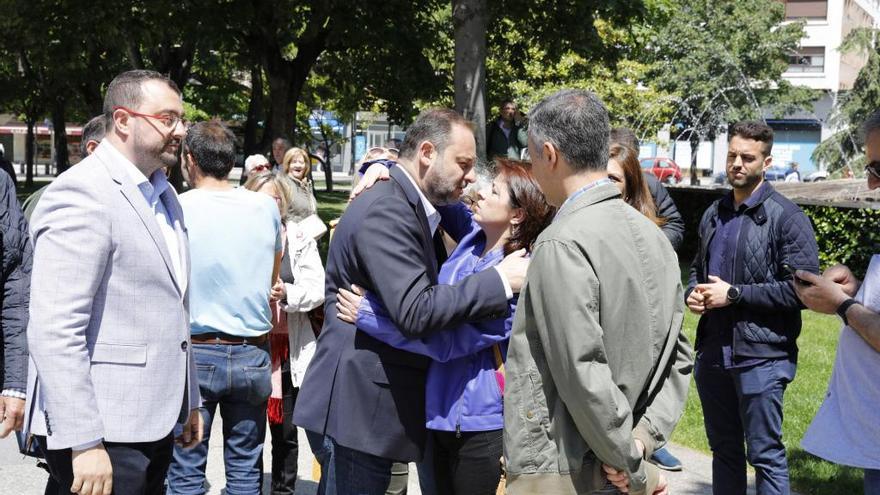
(844, 234)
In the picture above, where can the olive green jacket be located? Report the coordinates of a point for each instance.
(596, 356)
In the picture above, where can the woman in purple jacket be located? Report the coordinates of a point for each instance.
(464, 410)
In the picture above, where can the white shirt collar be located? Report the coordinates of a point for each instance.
(151, 188)
(431, 212)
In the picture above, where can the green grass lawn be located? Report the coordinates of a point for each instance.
(809, 474)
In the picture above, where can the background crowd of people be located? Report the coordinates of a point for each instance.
(526, 340)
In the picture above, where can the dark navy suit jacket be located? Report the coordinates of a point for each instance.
(365, 394)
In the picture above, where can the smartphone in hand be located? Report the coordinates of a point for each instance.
(792, 271)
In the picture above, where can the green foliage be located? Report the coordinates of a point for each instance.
(845, 235)
(843, 148)
(724, 59)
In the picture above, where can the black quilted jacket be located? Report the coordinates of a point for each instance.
(767, 319)
(17, 257)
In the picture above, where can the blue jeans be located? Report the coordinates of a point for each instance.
(238, 379)
(744, 405)
(872, 481)
(347, 471)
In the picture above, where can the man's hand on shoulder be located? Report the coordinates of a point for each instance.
(92, 471)
(12, 415)
(514, 267)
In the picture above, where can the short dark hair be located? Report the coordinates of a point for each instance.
(212, 146)
(126, 89)
(94, 130)
(871, 124)
(432, 125)
(754, 130)
(576, 123)
(623, 136)
(506, 101)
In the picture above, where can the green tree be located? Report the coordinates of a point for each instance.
(843, 147)
(724, 61)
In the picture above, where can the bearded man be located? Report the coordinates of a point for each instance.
(750, 316)
(366, 406)
(112, 368)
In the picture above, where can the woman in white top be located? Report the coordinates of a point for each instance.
(300, 289)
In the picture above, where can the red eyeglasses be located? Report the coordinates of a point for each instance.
(169, 120)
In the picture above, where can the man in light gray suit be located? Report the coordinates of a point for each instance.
(109, 327)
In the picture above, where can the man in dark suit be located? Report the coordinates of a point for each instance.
(366, 404)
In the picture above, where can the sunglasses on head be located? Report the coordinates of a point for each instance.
(260, 168)
(873, 168)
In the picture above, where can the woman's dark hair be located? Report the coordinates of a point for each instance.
(635, 192)
(524, 193)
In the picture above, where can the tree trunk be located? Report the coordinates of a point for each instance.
(695, 148)
(469, 19)
(281, 103)
(30, 141)
(255, 111)
(328, 155)
(62, 160)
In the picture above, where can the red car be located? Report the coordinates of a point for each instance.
(666, 170)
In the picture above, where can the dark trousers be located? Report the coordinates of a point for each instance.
(467, 463)
(284, 441)
(346, 471)
(138, 468)
(744, 406)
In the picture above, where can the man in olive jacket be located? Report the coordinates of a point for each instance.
(597, 369)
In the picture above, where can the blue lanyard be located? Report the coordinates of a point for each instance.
(581, 191)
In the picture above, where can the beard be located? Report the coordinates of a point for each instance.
(746, 181)
(159, 154)
(442, 190)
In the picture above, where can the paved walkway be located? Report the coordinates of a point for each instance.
(19, 476)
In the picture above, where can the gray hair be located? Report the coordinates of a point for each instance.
(576, 123)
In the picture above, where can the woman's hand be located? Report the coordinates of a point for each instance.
(348, 302)
(279, 292)
(375, 173)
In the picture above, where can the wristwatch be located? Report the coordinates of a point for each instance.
(841, 310)
(734, 293)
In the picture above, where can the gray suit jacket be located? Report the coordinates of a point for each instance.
(109, 325)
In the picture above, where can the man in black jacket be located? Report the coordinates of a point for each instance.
(750, 315)
(17, 256)
(366, 399)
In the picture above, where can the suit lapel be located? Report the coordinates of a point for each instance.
(412, 195)
(137, 201)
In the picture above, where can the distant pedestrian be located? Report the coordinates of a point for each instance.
(792, 174)
(506, 135)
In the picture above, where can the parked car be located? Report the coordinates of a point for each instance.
(775, 173)
(666, 170)
(816, 176)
